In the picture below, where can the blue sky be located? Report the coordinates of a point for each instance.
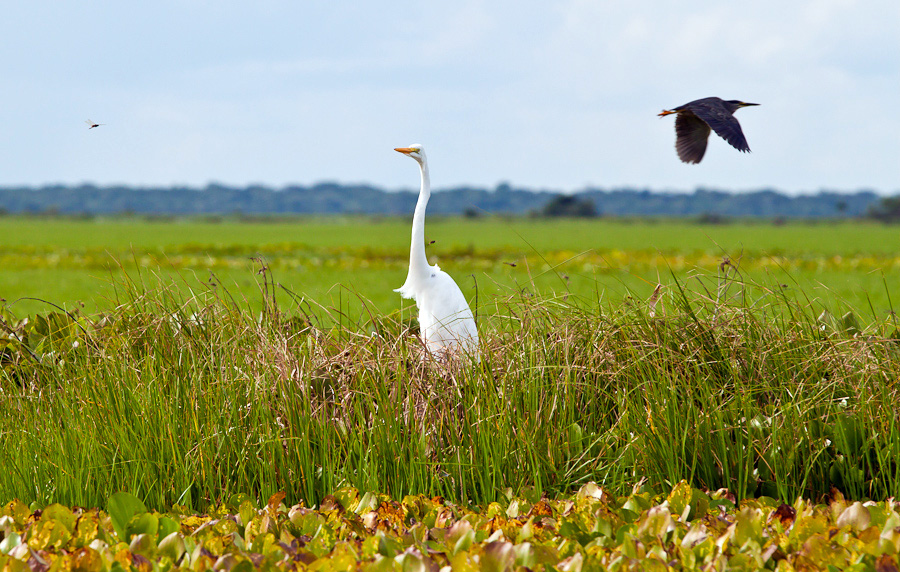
(555, 95)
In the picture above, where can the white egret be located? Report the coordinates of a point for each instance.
(445, 319)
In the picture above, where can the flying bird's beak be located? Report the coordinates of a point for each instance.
(748, 104)
(665, 112)
(405, 150)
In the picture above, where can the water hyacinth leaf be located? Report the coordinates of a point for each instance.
(889, 540)
(321, 543)
(343, 557)
(636, 504)
(48, 535)
(18, 511)
(413, 561)
(145, 523)
(10, 541)
(804, 528)
(390, 514)
(526, 532)
(512, 511)
(274, 503)
(748, 526)
(417, 506)
(855, 516)
(236, 500)
(590, 491)
(498, 557)
(122, 507)
(143, 544)
(656, 523)
(381, 564)
(604, 525)
(61, 514)
(578, 525)
(260, 524)
(347, 498)
(368, 502)
(172, 547)
(166, 527)
(87, 559)
(524, 555)
(695, 535)
(388, 546)
(243, 566)
(223, 526)
(572, 563)
(247, 511)
(306, 521)
(464, 562)
(886, 563)
(460, 536)
(561, 534)
(369, 546)
(680, 497)
(87, 529)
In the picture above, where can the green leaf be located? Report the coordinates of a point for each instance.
(498, 556)
(143, 544)
(166, 527)
(48, 535)
(855, 516)
(387, 545)
(680, 497)
(122, 507)
(61, 514)
(144, 523)
(9, 542)
(172, 546)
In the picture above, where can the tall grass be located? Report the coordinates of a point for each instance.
(190, 400)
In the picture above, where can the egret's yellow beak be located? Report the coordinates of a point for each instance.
(405, 150)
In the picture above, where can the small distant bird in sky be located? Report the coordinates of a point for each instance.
(92, 124)
(694, 121)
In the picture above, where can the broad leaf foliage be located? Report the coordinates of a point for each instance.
(688, 529)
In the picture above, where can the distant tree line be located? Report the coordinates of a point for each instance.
(333, 198)
(888, 210)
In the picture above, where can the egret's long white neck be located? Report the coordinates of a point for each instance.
(418, 262)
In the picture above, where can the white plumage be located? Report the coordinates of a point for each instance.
(445, 320)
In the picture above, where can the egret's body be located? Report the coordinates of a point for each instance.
(446, 322)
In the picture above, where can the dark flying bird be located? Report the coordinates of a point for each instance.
(92, 124)
(694, 121)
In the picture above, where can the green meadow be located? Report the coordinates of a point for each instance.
(350, 264)
(199, 360)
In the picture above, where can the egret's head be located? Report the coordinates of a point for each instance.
(415, 151)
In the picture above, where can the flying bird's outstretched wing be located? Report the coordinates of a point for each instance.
(723, 123)
(691, 136)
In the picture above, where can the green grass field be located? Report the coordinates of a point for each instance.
(335, 262)
(769, 366)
